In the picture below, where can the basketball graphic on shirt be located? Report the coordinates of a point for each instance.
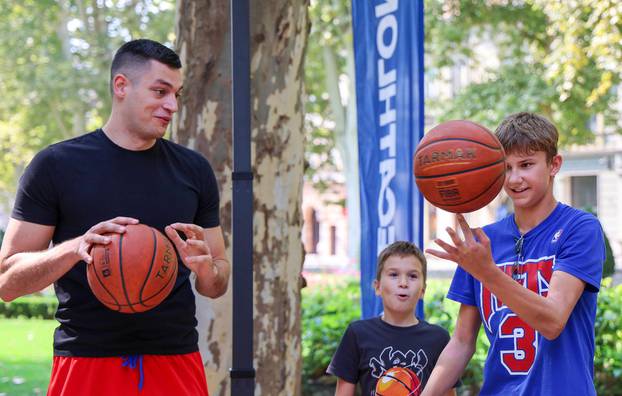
(398, 381)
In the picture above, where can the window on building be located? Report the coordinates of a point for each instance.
(333, 240)
(315, 232)
(583, 193)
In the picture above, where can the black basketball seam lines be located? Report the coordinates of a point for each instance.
(170, 278)
(153, 255)
(401, 382)
(104, 286)
(127, 297)
(498, 148)
(462, 171)
(155, 294)
(472, 199)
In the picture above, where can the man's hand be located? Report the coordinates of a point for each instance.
(94, 236)
(473, 255)
(27, 264)
(203, 252)
(194, 251)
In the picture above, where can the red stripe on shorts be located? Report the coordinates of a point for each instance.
(164, 375)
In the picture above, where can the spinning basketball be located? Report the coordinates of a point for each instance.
(135, 271)
(398, 381)
(459, 166)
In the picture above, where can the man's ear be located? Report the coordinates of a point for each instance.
(120, 83)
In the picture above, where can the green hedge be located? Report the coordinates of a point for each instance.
(42, 307)
(327, 310)
(608, 354)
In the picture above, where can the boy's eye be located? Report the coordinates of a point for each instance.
(414, 276)
(159, 91)
(393, 274)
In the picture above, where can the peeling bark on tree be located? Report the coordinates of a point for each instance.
(278, 40)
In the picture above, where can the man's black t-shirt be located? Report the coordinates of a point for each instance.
(80, 182)
(370, 347)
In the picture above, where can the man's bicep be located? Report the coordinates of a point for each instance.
(22, 236)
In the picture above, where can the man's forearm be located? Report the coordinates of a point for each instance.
(216, 284)
(544, 314)
(449, 367)
(28, 272)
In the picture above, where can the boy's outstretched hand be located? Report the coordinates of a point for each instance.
(473, 255)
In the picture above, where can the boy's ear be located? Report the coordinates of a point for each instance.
(556, 164)
(375, 284)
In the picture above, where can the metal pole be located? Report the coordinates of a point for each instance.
(242, 373)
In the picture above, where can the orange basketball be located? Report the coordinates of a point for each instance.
(459, 166)
(135, 271)
(398, 381)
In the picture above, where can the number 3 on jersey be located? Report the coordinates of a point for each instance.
(519, 360)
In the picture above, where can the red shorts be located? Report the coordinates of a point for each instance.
(164, 375)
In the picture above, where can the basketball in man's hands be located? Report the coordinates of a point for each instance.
(135, 271)
(459, 166)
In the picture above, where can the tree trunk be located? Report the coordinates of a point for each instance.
(278, 40)
(346, 141)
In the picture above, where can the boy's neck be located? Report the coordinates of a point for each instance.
(398, 320)
(528, 218)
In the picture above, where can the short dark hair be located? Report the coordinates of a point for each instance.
(139, 52)
(526, 133)
(401, 249)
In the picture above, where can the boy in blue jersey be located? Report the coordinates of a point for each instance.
(531, 279)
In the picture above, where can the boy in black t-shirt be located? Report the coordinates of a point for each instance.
(396, 352)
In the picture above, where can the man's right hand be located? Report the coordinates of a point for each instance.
(95, 235)
(27, 264)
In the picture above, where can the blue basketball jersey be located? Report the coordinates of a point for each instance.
(520, 361)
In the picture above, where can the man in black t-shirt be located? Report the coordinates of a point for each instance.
(393, 354)
(76, 191)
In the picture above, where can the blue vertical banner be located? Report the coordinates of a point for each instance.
(388, 53)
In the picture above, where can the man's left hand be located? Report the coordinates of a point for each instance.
(194, 251)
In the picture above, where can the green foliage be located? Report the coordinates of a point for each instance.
(488, 102)
(561, 59)
(54, 70)
(608, 361)
(326, 312)
(610, 264)
(330, 42)
(25, 356)
(42, 307)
